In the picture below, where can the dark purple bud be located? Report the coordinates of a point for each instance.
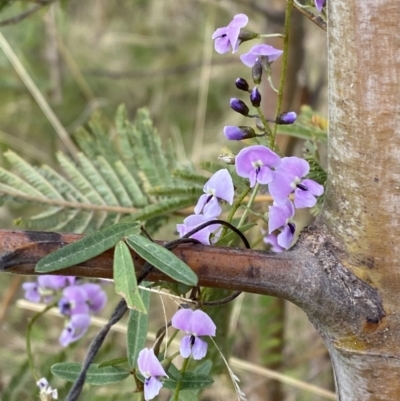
(234, 133)
(242, 84)
(255, 97)
(239, 106)
(256, 72)
(289, 117)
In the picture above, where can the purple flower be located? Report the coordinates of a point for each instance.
(219, 186)
(234, 133)
(96, 297)
(228, 37)
(74, 301)
(255, 162)
(45, 287)
(280, 217)
(288, 177)
(194, 323)
(151, 368)
(264, 53)
(289, 117)
(32, 291)
(75, 329)
(272, 240)
(192, 222)
(319, 4)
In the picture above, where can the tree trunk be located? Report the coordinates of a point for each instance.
(361, 210)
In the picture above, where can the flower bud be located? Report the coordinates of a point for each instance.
(239, 106)
(242, 84)
(234, 133)
(256, 72)
(289, 117)
(245, 35)
(255, 97)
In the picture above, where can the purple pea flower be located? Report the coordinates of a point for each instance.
(194, 323)
(228, 37)
(265, 54)
(192, 222)
(96, 297)
(45, 287)
(151, 368)
(272, 240)
(219, 186)
(288, 177)
(319, 4)
(280, 217)
(74, 301)
(255, 162)
(234, 133)
(75, 329)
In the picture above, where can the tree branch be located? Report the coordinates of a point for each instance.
(25, 14)
(311, 275)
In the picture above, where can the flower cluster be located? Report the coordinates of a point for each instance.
(218, 187)
(285, 177)
(78, 300)
(195, 324)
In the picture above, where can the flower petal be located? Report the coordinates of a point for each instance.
(202, 324)
(222, 183)
(148, 363)
(186, 346)
(296, 166)
(152, 387)
(279, 214)
(285, 238)
(199, 349)
(182, 320)
(265, 175)
(281, 185)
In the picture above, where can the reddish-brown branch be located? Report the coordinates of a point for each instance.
(218, 267)
(310, 275)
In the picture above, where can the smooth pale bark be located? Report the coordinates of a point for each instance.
(362, 211)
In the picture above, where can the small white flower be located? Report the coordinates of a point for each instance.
(46, 392)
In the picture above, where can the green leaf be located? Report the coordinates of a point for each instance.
(113, 362)
(162, 259)
(95, 375)
(190, 381)
(125, 278)
(138, 325)
(86, 248)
